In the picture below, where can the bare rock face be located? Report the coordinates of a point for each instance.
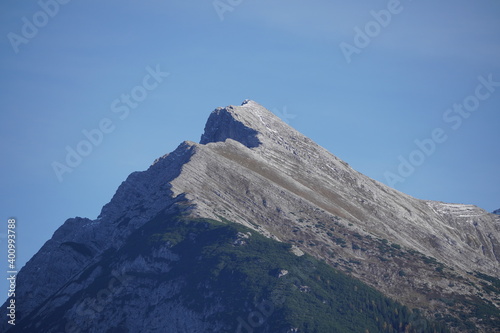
(287, 173)
(253, 169)
(293, 190)
(222, 125)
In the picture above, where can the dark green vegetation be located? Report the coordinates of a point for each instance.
(471, 312)
(239, 279)
(264, 287)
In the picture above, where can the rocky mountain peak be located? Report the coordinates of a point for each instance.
(497, 211)
(250, 124)
(229, 123)
(253, 175)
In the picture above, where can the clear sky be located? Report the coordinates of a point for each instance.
(364, 79)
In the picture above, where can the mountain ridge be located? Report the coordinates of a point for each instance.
(253, 169)
(277, 139)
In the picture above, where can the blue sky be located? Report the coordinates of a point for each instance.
(400, 85)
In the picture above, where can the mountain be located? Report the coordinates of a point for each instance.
(496, 212)
(257, 228)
